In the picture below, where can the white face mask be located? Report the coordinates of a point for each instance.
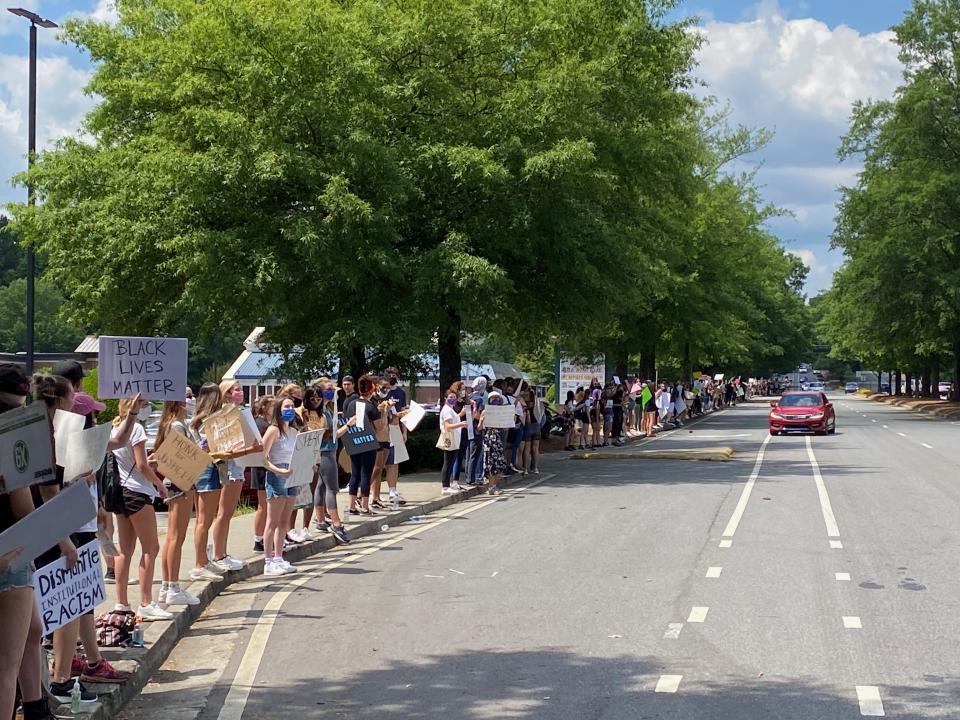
(144, 413)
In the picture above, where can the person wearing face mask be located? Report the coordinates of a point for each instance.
(494, 460)
(450, 422)
(325, 496)
(385, 455)
(398, 409)
(278, 445)
(362, 463)
(191, 401)
(208, 487)
(311, 417)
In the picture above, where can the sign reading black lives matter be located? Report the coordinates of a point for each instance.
(154, 367)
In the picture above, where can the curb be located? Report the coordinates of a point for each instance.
(716, 454)
(162, 637)
(941, 409)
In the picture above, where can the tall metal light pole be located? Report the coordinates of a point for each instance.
(35, 20)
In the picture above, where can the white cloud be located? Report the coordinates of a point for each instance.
(105, 11)
(807, 257)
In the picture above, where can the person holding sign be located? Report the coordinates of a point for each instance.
(179, 509)
(209, 486)
(450, 427)
(20, 639)
(325, 496)
(368, 417)
(279, 443)
(494, 460)
(138, 520)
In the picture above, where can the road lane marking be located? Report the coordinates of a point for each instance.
(928, 447)
(843, 577)
(455, 571)
(673, 631)
(870, 703)
(885, 427)
(826, 508)
(902, 434)
(852, 622)
(714, 572)
(669, 683)
(731, 528)
(873, 421)
(726, 543)
(698, 614)
(836, 545)
(235, 702)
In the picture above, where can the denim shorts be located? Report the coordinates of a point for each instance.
(277, 486)
(210, 480)
(608, 416)
(16, 577)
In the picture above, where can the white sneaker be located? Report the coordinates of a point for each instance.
(152, 612)
(181, 597)
(205, 573)
(287, 567)
(162, 596)
(120, 607)
(302, 535)
(230, 563)
(448, 491)
(273, 569)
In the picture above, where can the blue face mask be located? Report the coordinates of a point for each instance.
(288, 414)
(329, 394)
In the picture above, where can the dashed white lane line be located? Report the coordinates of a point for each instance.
(673, 631)
(698, 614)
(842, 577)
(726, 543)
(870, 703)
(828, 517)
(873, 421)
(836, 545)
(902, 434)
(738, 511)
(714, 572)
(852, 622)
(928, 447)
(886, 427)
(669, 683)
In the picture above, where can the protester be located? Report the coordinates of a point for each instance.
(262, 412)
(520, 425)
(475, 449)
(311, 418)
(619, 402)
(325, 497)
(362, 463)
(596, 412)
(173, 419)
(398, 397)
(531, 434)
(383, 436)
(494, 459)
(278, 445)
(209, 486)
(450, 422)
(569, 414)
(138, 520)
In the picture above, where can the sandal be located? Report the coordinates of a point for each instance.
(377, 504)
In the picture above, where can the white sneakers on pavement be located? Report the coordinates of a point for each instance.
(151, 612)
(228, 563)
(278, 566)
(181, 597)
(208, 572)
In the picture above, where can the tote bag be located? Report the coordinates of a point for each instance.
(449, 440)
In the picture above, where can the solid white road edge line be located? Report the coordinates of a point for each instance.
(668, 683)
(738, 511)
(870, 703)
(828, 517)
(241, 685)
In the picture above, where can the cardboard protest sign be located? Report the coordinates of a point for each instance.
(64, 595)
(498, 416)
(26, 448)
(39, 531)
(251, 437)
(88, 448)
(181, 460)
(154, 367)
(224, 430)
(469, 418)
(306, 453)
(400, 453)
(413, 416)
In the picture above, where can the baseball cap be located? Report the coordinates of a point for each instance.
(70, 369)
(347, 378)
(13, 381)
(479, 383)
(84, 404)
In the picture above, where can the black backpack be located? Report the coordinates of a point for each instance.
(112, 494)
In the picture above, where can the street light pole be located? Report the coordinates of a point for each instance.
(35, 20)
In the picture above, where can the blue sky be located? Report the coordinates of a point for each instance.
(793, 66)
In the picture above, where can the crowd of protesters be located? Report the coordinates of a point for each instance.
(594, 416)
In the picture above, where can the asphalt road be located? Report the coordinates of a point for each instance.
(820, 583)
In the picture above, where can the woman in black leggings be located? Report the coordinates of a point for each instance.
(325, 495)
(362, 463)
(450, 422)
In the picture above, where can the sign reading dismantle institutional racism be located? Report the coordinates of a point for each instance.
(154, 367)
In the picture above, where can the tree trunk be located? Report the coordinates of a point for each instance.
(879, 380)
(925, 382)
(897, 378)
(687, 369)
(935, 377)
(353, 362)
(648, 363)
(909, 381)
(956, 369)
(448, 350)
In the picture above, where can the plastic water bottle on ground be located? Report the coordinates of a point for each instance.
(75, 697)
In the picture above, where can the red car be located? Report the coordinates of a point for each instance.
(802, 412)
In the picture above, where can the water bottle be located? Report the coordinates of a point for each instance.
(395, 503)
(417, 519)
(75, 697)
(138, 634)
(384, 528)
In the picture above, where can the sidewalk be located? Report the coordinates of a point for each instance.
(943, 409)
(422, 493)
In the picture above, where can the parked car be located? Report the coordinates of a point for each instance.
(851, 387)
(802, 412)
(945, 389)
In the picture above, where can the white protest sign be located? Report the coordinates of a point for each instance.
(616, 379)
(498, 416)
(26, 448)
(87, 451)
(718, 377)
(413, 416)
(361, 414)
(470, 434)
(305, 454)
(251, 436)
(65, 424)
(574, 374)
(154, 367)
(64, 595)
(50, 523)
(400, 453)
